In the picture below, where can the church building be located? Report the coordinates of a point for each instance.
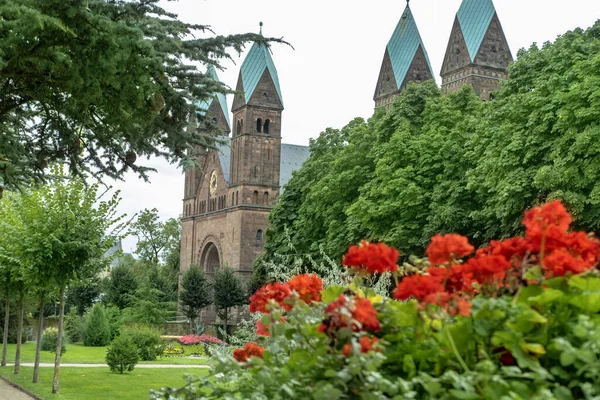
(228, 199)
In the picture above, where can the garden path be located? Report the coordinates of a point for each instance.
(43, 365)
(9, 392)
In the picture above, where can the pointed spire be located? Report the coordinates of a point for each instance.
(403, 45)
(220, 97)
(474, 17)
(261, 25)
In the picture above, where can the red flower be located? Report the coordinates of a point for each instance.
(308, 287)
(249, 350)
(561, 261)
(488, 270)
(444, 249)
(366, 345)
(513, 249)
(261, 329)
(419, 287)
(372, 257)
(359, 315)
(277, 292)
(539, 219)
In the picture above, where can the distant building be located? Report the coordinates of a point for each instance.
(228, 199)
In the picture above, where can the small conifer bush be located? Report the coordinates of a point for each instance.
(122, 355)
(97, 328)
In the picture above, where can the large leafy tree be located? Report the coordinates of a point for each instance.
(93, 83)
(120, 286)
(156, 239)
(228, 292)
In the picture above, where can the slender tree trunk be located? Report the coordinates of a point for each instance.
(38, 344)
(61, 320)
(5, 333)
(19, 334)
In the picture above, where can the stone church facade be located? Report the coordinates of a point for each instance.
(227, 199)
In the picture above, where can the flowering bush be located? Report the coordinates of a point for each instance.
(519, 319)
(189, 340)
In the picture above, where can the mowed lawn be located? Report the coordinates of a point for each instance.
(80, 354)
(100, 383)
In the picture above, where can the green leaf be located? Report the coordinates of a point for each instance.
(566, 359)
(463, 395)
(547, 296)
(589, 302)
(331, 293)
(585, 283)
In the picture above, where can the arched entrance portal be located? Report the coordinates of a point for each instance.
(210, 259)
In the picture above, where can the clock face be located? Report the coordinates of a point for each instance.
(213, 183)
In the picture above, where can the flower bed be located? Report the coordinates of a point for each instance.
(518, 319)
(190, 345)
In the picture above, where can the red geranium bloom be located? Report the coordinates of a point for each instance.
(372, 257)
(249, 350)
(512, 249)
(539, 219)
(444, 249)
(261, 329)
(366, 345)
(278, 292)
(308, 287)
(488, 269)
(561, 261)
(359, 315)
(419, 286)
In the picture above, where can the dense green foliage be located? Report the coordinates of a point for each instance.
(97, 328)
(122, 355)
(147, 340)
(434, 163)
(228, 292)
(120, 286)
(196, 293)
(74, 327)
(49, 338)
(92, 83)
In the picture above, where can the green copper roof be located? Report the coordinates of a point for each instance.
(403, 46)
(474, 17)
(204, 105)
(257, 60)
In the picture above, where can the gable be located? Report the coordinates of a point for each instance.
(239, 100)
(386, 83)
(212, 163)
(475, 17)
(494, 51)
(257, 61)
(419, 70)
(265, 93)
(457, 54)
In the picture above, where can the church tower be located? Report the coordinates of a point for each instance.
(477, 52)
(215, 111)
(256, 140)
(405, 60)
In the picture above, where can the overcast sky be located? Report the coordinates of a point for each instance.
(329, 77)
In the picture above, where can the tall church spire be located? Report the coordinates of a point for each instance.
(405, 60)
(477, 53)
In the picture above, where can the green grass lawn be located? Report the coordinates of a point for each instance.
(100, 383)
(80, 354)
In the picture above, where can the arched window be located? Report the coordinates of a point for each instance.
(232, 198)
(258, 125)
(239, 128)
(266, 126)
(255, 197)
(237, 198)
(266, 198)
(258, 237)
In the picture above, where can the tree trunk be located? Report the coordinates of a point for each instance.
(38, 345)
(5, 335)
(19, 334)
(61, 319)
(225, 325)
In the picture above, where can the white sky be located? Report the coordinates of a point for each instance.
(330, 75)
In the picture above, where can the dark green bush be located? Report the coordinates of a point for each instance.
(97, 328)
(74, 326)
(49, 338)
(122, 355)
(115, 321)
(147, 340)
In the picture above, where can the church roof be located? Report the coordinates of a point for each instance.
(403, 46)
(257, 61)
(292, 157)
(474, 17)
(220, 97)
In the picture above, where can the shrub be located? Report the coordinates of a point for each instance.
(115, 321)
(74, 326)
(188, 340)
(517, 319)
(122, 355)
(49, 338)
(147, 340)
(97, 329)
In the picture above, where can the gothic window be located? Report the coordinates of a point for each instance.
(237, 198)
(232, 198)
(255, 197)
(258, 125)
(266, 126)
(266, 198)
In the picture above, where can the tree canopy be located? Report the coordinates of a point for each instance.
(438, 164)
(96, 83)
